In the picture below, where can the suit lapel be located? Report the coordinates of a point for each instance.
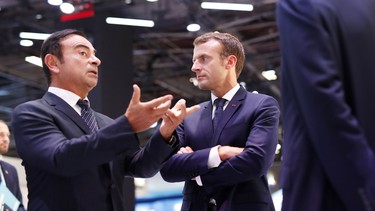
(228, 113)
(60, 105)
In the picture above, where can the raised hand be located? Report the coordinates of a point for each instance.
(141, 115)
(173, 117)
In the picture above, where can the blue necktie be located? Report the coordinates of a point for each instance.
(219, 102)
(87, 115)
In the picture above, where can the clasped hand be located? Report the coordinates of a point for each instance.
(225, 152)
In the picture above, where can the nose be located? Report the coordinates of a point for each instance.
(95, 60)
(195, 68)
(5, 139)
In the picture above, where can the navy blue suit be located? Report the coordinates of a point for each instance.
(249, 121)
(328, 96)
(11, 181)
(67, 168)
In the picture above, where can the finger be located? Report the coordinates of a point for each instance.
(160, 102)
(180, 105)
(167, 116)
(189, 149)
(183, 150)
(178, 109)
(136, 95)
(192, 109)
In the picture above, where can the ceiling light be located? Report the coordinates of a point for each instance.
(130, 22)
(67, 8)
(26, 43)
(55, 2)
(194, 81)
(270, 75)
(34, 36)
(227, 6)
(193, 27)
(34, 60)
(38, 16)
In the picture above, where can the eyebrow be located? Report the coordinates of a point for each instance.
(84, 46)
(199, 56)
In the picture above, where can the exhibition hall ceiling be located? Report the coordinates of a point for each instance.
(161, 54)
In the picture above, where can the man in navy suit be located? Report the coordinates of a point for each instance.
(328, 96)
(8, 174)
(224, 166)
(70, 166)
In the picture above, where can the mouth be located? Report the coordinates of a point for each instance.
(93, 72)
(200, 77)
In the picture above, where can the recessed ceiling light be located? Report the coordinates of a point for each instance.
(227, 6)
(130, 22)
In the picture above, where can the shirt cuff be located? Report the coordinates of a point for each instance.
(198, 180)
(214, 158)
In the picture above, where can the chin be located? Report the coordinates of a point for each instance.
(203, 87)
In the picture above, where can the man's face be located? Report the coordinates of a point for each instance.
(209, 66)
(78, 68)
(4, 138)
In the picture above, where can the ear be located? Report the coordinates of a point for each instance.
(52, 61)
(232, 60)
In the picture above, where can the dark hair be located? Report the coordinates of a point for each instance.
(231, 46)
(52, 46)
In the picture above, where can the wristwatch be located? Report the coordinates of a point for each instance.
(173, 141)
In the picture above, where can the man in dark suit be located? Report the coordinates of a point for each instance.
(328, 97)
(8, 174)
(224, 164)
(74, 165)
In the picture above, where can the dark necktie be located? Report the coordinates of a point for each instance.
(87, 115)
(219, 102)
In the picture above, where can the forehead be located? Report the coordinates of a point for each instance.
(210, 47)
(75, 40)
(3, 127)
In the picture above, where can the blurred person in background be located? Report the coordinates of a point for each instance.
(8, 173)
(328, 101)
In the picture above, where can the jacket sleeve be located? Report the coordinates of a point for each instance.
(53, 142)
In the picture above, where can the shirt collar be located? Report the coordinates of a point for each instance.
(228, 96)
(68, 96)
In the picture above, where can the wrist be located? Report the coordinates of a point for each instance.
(173, 142)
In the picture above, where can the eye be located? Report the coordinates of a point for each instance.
(202, 59)
(83, 53)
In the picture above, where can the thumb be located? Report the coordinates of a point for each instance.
(192, 109)
(136, 97)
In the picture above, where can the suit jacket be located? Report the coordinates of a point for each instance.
(328, 62)
(11, 181)
(249, 121)
(67, 168)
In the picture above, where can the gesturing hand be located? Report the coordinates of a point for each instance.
(142, 115)
(173, 117)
